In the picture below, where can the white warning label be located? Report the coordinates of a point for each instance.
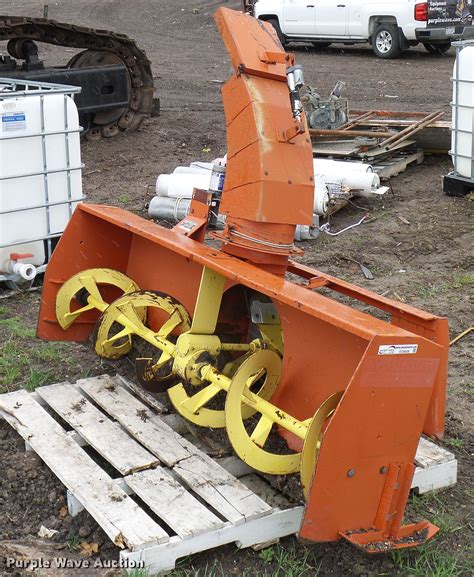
(187, 225)
(398, 349)
(12, 121)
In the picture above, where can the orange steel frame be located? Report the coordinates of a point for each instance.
(365, 466)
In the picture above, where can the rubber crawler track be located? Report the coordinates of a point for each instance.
(72, 36)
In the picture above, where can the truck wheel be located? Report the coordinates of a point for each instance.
(386, 42)
(441, 48)
(274, 22)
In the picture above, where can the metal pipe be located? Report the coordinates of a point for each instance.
(349, 133)
(357, 120)
(415, 127)
(25, 208)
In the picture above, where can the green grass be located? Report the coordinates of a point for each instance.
(454, 442)
(36, 378)
(49, 352)
(22, 356)
(281, 560)
(431, 506)
(435, 558)
(11, 365)
(428, 560)
(3, 310)
(73, 543)
(17, 328)
(293, 562)
(463, 279)
(137, 573)
(429, 291)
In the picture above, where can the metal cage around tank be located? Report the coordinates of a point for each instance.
(457, 130)
(13, 89)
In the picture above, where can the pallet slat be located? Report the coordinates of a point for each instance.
(429, 454)
(205, 477)
(224, 492)
(137, 419)
(106, 437)
(172, 503)
(262, 530)
(119, 516)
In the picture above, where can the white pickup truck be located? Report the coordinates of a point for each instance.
(391, 26)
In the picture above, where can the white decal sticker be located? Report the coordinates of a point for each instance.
(13, 121)
(187, 225)
(398, 349)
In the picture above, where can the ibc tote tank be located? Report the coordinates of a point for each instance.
(462, 136)
(40, 170)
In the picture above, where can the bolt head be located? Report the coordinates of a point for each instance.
(351, 472)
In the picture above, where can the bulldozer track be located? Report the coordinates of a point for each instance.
(80, 37)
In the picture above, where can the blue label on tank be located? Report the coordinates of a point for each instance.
(13, 121)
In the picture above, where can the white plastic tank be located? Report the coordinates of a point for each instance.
(462, 136)
(40, 169)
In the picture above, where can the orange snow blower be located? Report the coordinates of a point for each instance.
(244, 338)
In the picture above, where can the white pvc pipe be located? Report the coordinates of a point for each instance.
(327, 166)
(194, 168)
(321, 196)
(181, 185)
(357, 181)
(25, 270)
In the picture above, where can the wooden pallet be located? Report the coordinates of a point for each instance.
(395, 165)
(167, 498)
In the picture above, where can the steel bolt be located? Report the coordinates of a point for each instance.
(383, 470)
(351, 472)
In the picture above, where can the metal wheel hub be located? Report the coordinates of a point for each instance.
(384, 42)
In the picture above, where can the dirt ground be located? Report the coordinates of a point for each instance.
(419, 249)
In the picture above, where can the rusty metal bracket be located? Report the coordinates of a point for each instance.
(291, 133)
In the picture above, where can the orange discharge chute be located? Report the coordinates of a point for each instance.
(350, 394)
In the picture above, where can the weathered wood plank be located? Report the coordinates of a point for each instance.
(206, 478)
(119, 516)
(261, 530)
(108, 438)
(429, 454)
(172, 503)
(142, 394)
(137, 419)
(223, 491)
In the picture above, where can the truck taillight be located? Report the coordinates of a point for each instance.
(421, 12)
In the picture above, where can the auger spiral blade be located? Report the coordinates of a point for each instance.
(87, 289)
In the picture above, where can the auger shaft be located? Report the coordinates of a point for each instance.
(208, 372)
(298, 428)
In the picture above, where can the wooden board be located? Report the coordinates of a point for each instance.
(106, 437)
(173, 503)
(203, 475)
(393, 166)
(436, 468)
(262, 530)
(138, 419)
(120, 517)
(221, 490)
